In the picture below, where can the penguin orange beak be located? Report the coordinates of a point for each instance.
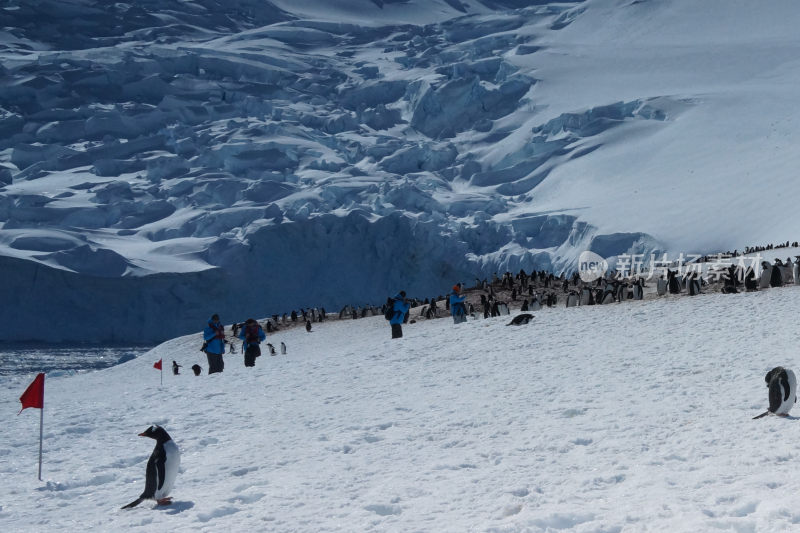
(142, 434)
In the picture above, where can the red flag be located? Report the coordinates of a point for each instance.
(157, 365)
(34, 394)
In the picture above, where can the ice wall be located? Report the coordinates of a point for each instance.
(166, 160)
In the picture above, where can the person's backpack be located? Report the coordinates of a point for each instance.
(389, 313)
(251, 335)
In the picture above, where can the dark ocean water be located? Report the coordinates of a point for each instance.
(27, 358)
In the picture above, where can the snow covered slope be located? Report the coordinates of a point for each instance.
(160, 159)
(624, 417)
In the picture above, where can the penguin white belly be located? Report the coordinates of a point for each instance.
(796, 274)
(789, 402)
(661, 287)
(765, 276)
(171, 465)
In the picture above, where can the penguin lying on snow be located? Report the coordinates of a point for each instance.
(162, 468)
(782, 391)
(519, 320)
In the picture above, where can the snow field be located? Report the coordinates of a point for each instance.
(625, 417)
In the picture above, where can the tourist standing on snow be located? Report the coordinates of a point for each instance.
(457, 307)
(400, 307)
(252, 335)
(214, 335)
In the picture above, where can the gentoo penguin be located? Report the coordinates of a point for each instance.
(782, 386)
(776, 274)
(673, 284)
(197, 369)
(766, 275)
(162, 468)
(519, 320)
(283, 348)
(586, 296)
(271, 348)
(693, 284)
(782, 390)
(661, 286)
(796, 270)
(638, 289)
(308, 326)
(176, 368)
(572, 299)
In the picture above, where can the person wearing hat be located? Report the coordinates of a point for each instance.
(457, 307)
(252, 335)
(214, 335)
(400, 306)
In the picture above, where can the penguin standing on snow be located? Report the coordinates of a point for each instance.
(782, 386)
(796, 270)
(162, 468)
(283, 348)
(638, 289)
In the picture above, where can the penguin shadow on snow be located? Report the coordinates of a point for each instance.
(176, 507)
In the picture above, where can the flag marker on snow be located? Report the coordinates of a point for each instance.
(34, 397)
(158, 366)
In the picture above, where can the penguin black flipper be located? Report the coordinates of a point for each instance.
(762, 415)
(775, 395)
(134, 503)
(160, 464)
(785, 384)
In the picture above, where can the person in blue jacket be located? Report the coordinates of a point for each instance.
(214, 335)
(252, 335)
(400, 307)
(457, 307)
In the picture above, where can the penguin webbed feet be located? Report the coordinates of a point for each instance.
(164, 501)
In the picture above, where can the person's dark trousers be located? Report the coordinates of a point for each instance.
(397, 331)
(250, 355)
(215, 362)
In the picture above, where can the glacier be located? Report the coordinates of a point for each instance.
(160, 161)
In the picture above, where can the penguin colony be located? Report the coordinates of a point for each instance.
(164, 462)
